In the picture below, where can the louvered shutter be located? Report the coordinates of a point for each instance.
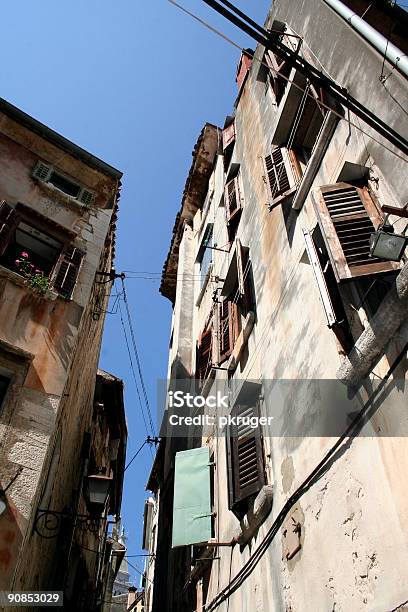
(86, 197)
(228, 135)
(67, 271)
(348, 216)
(232, 198)
(204, 355)
(279, 69)
(225, 329)
(42, 171)
(248, 471)
(8, 223)
(276, 175)
(241, 271)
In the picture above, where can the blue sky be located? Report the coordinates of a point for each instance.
(133, 82)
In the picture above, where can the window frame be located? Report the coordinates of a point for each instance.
(239, 497)
(292, 174)
(43, 172)
(12, 217)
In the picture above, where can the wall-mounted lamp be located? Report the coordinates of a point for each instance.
(385, 244)
(98, 488)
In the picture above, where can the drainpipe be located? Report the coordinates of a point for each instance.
(394, 55)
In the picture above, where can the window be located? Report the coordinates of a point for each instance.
(236, 301)
(28, 250)
(245, 459)
(279, 71)
(281, 174)
(233, 206)
(204, 356)
(47, 174)
(348, 216)
(4, 383)
(205, 255)
(228, 141)
(339, 250)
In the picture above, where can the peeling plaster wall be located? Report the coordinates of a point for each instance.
(62, 340)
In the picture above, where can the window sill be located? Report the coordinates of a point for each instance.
(61, 197)
(20, 281)
(241, 341)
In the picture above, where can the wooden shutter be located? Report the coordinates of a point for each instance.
(232, 198)
(228, 135)
(248, 470)
(225, 337)
(239, 251)
(347, 217)
(67, 271)
(279, 69)
(42, 171)
(8, 222)
(204, 355)
(276, 175)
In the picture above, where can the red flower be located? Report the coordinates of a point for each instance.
(24, 254)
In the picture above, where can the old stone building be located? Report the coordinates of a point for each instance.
(284, 302)
(62, 424)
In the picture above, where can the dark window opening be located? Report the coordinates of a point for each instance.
(64, 184)
(341, 326)
(372, 291)
(277, 77)
(31, 251)
(4, 384)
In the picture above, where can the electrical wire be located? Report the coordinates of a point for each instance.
(291, 81)
(139, 368)
(321, 468)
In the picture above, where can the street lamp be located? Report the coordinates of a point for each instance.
(98, 488)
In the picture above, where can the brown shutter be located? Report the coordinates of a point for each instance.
(347, 217)
(279, 69)
(204, 355)
(248, 471)
(8, 222)
(276, 175)
(67, 271)
(240, 268)
(228, 135)
(225, 337)
(232, 198)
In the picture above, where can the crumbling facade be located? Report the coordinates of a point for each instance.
(60, 423)
(279, 302)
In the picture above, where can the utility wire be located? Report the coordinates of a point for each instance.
(295, 85)
(132, 335)
(133, 370)
(323, 466)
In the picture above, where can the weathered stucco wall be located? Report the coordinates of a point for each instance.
(46, 342)
(354, 543)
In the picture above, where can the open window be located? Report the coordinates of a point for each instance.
(245, 457)
(348, 278)
(204, 354)
(30, 247)
(205, 255)
(4, 385)
(233, 205)
(278, 75)
(281, 175)
(348, 216)
(228, 140)
(235, 303)
(47, 174)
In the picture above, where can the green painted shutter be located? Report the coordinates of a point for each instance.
(192, 497)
